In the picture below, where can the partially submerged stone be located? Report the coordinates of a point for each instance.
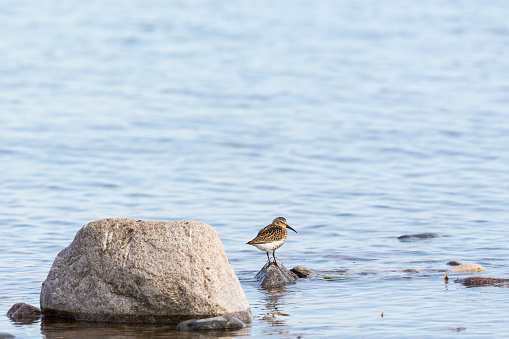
(453, 263)
(216, 323)
(302, 272)
(468, 268)
(6, 336)
(128, 270)
(420, 236)
(24, 313)
(483, 281)
(275, 275)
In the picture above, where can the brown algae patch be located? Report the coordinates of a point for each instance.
(483, 281)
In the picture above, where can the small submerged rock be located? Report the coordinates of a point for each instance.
(216, 323)
(24, 313)
(410, 270)
(302, 272)
(453, 263)
(468, 268)
(275, 275)
(483, 281)
(420, 236)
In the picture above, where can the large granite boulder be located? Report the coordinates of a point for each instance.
(128, 270)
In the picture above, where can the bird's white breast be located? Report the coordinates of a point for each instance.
(270, 246)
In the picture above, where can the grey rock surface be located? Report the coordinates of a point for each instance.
(275, 275)
(302, 272)
(129, 270)
(24, 313)
(6, 336)
(216, 323)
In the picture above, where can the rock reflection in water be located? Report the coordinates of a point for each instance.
(274, 308)
(53, 328)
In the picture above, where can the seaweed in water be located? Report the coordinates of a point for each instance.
(420, 236)
(482, 281)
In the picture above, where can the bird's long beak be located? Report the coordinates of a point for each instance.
(287, 226)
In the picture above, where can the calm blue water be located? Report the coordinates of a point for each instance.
(357, 121)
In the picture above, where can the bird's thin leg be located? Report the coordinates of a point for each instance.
(268, 257)
(274, 255)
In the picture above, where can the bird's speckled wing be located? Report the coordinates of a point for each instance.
(269, 233)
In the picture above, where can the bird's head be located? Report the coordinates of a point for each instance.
(280, 221)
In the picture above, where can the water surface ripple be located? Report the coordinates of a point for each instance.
(357, 121)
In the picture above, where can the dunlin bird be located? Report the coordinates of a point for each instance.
(272, 237)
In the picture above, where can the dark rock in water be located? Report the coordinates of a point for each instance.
(302, 272)
(453, 263)
(483, 281)
(216, 323)
(410, 270)
(275, 275)
(144, 271)
(24, 313)
(420, 236)
(6, 336)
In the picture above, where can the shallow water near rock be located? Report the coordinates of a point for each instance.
(358, 122)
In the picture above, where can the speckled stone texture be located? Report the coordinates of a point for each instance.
(129, 270)
(24, 313)
(272, 276)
